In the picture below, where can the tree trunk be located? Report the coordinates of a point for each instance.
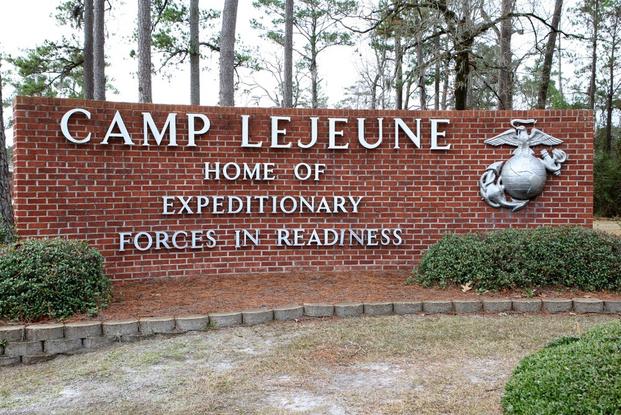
(560, 69)
(542, 96)
(99, 58)
(195, 56)
(227, 53)
(470, 95)
(420, 67)
(436, 75)
(608, 143)
(89, 92)
(445, 87)
(386, 92)
(463, 45)
(398, 72)
(505, 81)
(408, 92)
(6, 207)
(288, 70)
(594, 40)
(374, 87)
(462, 73)
(144, 51)
(610, 94)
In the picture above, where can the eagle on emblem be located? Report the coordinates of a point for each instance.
(523, 176)
(519, 137)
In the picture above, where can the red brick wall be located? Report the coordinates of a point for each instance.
(92, 191)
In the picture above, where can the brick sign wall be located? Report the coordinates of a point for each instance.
(161, 211)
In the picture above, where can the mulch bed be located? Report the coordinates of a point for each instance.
(205, 294)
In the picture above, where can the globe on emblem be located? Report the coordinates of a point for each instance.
(524, 176)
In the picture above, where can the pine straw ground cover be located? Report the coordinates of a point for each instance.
(208, 294)
(382, 365)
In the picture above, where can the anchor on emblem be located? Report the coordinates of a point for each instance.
(523, 176)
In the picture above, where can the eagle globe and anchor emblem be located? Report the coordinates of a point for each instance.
(523, 176)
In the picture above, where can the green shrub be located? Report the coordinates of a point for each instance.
(525, 258)
(51, 278)
(569, 376)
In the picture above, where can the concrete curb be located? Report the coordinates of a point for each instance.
(612, 306)
(407, 307)
(438, 307)
(221, 320)
(12, 333)
(293, 312)
(254, 317)
(588, 305)
(115, 328)
(557, 305)
(318, 310)
(348, 310)
(378, 309)
(156, 325)
(40, 342)
(192, 323)
(467, 306)
(83, 329)
(497, 306)
(527, 306)
(40, 332)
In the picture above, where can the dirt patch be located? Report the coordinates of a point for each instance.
(401, 365)
(609, 226)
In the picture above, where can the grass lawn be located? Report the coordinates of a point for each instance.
(383, 365)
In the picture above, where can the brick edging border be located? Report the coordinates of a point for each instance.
(39, 342)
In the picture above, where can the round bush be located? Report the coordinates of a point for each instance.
(525, 258)
(51, 278)
(569, 376)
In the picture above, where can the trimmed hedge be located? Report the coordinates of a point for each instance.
(525, 258)
(51, 278)
(569, 376)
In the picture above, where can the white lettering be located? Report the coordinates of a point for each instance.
(400, 125)
(123, 240)
(168, 203)
(314, 128)
(192, 133)
(245, 139)
(117, 122)
(435, 134)
(64, 125)
(149, 125)
(149, 240)
(276, 132)
(363, 141)
(333, 133)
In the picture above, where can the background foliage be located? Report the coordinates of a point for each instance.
(607, 183)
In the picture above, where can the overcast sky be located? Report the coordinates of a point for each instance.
(27, 23)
